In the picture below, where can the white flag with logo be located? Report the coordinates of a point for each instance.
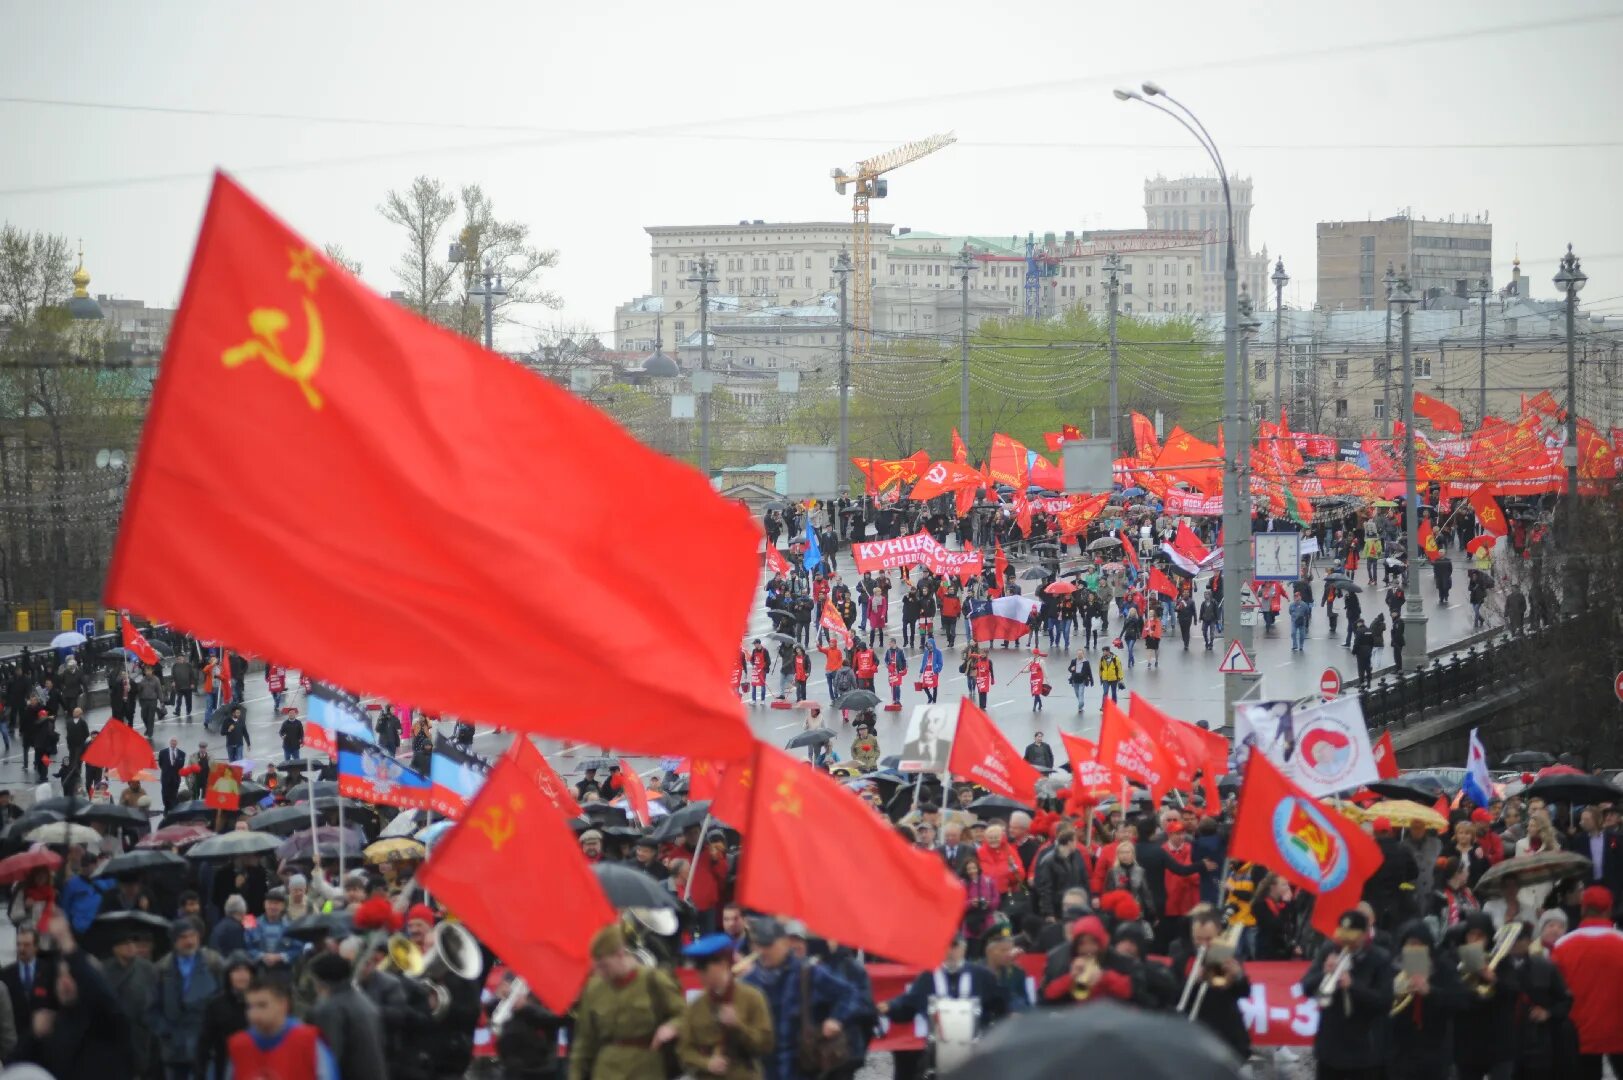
(1323, 748)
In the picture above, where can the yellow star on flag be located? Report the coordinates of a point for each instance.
(305, 268)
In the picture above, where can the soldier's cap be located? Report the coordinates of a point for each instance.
(997, 930)
(710, 948)
(607, 942)
(1353, 920)
(764, 931)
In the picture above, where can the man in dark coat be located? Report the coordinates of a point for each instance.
(349, 1022)
(83, 1033)
(1225, 983)
(171, 759)
(1423, 1030)
(1355, 1028)
(1062, 868)
(1039, 753)
(1391, 889)
(31, 984)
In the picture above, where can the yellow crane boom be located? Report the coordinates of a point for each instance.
(866, 184)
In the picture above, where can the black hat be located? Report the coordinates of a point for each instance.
(1353, 920)
(647, 842)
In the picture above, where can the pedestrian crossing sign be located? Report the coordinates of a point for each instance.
(1236, 661)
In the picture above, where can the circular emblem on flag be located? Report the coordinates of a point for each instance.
(1326, 751)
(1309, 843)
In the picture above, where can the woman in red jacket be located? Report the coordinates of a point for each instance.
(1183, 890)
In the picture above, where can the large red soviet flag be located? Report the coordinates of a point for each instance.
(416, 545)
(982, 753)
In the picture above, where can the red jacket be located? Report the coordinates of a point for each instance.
(1591, 960)
(1183, 890)
(1002, 866)
(709, 881)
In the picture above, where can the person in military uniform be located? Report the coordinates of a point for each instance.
(865, 746)
(1355, 1028)
(997, 943)
(955, 978)
(626, 1014)
(727, 1029)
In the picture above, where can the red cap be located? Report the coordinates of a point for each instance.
(1597, 898)
(1092, 927)
(1481, 816)
(1383, 825)
(420, 912)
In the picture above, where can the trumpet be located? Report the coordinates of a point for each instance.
(1086, 979)
(1502, 943)
(517, 991)
(1332, 975)
(1194, 977)
(1211, 962)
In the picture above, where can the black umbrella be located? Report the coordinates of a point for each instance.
(335, 924)
(1527, 759)
(230, 845)
(116, 815)
(281, 820)
(781, 619)
(1573, 788)
(251, 794)
(817, 736)
(671, 826)
(1033, 573)
(996, 806)
(109, 929)
(302, 845)
(857, 700)
(30, 821)
(1395, 789)
(143, 860)
(628, 888)
(66, 805)
(196, 810)
(318, 789)
(602, 815)
(1112, 1039)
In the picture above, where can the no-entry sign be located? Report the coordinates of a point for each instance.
(1330, 683)
(1617, 686)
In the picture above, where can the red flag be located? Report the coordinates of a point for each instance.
(1208, 753)
(704, 779)
(982, 753)
(118, 748)
(944, 476)
(1006, 462)
(1054, 441)
(1070, 432)
(1386, 757)
(1487, 510)
(1443, 416)
(803, 825)
(1000, 565)
(224, 790)
(1313, 847)
(1022, 512)
(544, 776)
(420, 456)
(1091, 779)
(1128, 750)
(1130, 546)
(513, 833)
(136, 643)
(735, 786)
(1544, 402)
(775, 562)
(636, 794)
(1160, 583)
(960, 452)
(831, 621)
(1146, 447)
(1428, 542)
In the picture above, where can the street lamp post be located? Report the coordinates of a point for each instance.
(1390, 279)
(1280, 280)
(1484, 289)
(1570, 279)
(964, 264)
(1113, 290)
(1237, 556)
(1414, 619)
(490, 291)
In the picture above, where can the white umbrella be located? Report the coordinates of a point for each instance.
(68, 639)
(63, 834)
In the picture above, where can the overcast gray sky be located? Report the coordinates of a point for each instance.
(590, 121)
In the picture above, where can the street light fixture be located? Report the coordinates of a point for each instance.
(1570, 279)
(1237, 556)
(1280, 280)
(1483, 290)
(1414, 619)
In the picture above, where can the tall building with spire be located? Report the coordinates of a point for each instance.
(1195, 204)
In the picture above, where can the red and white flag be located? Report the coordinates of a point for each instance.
(835, 625)
(135, 643)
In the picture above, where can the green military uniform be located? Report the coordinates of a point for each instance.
(743, 1046)
(865, 751)
(616, 1024)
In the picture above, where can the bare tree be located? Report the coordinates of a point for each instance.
(336, 253)
(35, 274)
(502, 247)
(422, 211)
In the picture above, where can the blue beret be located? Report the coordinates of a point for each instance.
(709, 946)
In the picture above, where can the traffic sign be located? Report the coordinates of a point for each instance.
(1236, 661)
(87, 627)
(1617, 686)
(1329, 683)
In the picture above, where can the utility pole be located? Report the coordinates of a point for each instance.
(1113, 287)
(1280, 280)
(491, 290)
(1386, 376)
(843, 464)
(705, 278)
(1483, 291)
(1249, 325)
(1570, 279)
(964, 265)
(1414, 619)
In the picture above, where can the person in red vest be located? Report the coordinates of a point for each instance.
(276, 684)
(895, 668)
(274, 1044)
(760, 664)
(1037, 683)
(802, 672)
(984, 677)
(864, 665)
(1591, 961)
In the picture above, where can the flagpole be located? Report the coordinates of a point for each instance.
(687, 887)
(340, 837)
(315, 827)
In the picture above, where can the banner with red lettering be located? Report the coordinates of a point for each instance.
(1189, 502)
(890, 554)
(960, 564)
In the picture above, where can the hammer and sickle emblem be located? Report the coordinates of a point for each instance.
(267, 325)
(787, 801)
(497, 824)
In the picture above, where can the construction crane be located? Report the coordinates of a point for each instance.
(866, 180)
(1040, 265)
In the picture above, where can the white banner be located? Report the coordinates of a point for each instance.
(1323, 748)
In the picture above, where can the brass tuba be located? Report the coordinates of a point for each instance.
(454, 951)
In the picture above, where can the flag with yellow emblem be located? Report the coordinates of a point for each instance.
(513, 846)
(1488, 511)
(414, 544)
(816, 852)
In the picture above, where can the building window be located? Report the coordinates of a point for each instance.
(1188, 289)
(664, 286)
(1341, 368)
(808, 262)
(1087, 290)
(1341, 408)
(681, 329)
(1128, 289)
(1262, 369)
(1381, 363)
(1128, 307)
(1087, 271)
(1380, 409)
(1422, 367)
(1366, 243)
